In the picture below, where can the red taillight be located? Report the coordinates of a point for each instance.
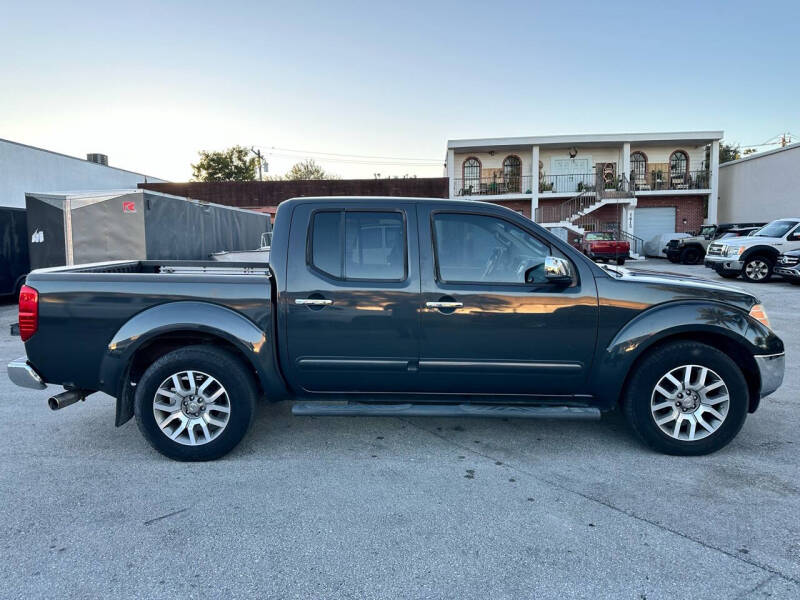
(28, 312)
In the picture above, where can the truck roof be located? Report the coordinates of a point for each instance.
(378, 200)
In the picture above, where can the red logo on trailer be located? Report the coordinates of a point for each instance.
(129, 207)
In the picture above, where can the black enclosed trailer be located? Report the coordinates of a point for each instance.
(84, 227)
(14, 261)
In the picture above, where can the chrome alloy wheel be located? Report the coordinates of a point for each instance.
(191, 408)
(756, 269)
(690, 403)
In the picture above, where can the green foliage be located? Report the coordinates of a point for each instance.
(308, 169)
(728, 152)
(233, 164)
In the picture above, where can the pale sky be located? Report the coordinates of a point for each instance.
(151, 83)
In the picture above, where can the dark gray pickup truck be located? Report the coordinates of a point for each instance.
(394, 306)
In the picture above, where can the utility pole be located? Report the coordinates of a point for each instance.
(260, 161)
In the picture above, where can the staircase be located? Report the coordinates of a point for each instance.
(572, 213)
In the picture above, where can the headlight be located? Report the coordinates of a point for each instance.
(760, 315)
(735, 250)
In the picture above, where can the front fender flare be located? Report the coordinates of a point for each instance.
(673, 319)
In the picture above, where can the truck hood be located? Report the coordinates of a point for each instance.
(749, 241)
(688, 286)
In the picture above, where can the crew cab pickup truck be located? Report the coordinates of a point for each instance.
(603, 246)
(754, 256)
(404, 307)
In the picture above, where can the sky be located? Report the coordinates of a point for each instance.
(152, 83)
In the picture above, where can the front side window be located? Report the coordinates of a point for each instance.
(776, 229)
(481, 249)
(359, 245)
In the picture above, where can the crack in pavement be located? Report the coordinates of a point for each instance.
(562, 487)
(166, 516)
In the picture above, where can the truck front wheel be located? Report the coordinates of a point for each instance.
(757, 269)
(195, 403)
(686, 398)
(691, 256)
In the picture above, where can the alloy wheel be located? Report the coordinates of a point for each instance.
(191, 408)
(690, 402)
(756, 269)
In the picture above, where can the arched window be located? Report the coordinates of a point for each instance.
(638, 170)
(472, 175)
(512, 173)
(678, 169)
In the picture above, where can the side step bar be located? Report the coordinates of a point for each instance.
(505, 411)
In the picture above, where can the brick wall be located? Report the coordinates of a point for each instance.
(254, 194)
(691, 208)
(523, 206)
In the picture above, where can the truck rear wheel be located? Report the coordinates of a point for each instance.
(686, 398)
(195, 403)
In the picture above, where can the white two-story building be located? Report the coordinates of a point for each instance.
(636, 184)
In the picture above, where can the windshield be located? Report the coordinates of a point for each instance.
(599, 236)
(775, 229)
(708, 231)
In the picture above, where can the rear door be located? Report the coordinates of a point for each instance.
(351, 299)
(484, 328)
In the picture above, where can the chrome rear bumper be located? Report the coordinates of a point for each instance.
(21, 373)
(771, 368)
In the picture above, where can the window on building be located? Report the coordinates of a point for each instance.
(678, 167)
(472, 175)
(359, 245)
(639, 168)
(478, 248)
(512, 173)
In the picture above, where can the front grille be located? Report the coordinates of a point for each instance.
(715, 250)
(789, 261)
(672, 244)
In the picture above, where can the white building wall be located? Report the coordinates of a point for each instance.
(760, 188)
(27, 169)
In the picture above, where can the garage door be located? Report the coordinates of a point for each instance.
(650, 222)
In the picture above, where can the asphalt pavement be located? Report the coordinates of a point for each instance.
(400, 508)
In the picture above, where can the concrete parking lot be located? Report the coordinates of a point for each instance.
(400, 508)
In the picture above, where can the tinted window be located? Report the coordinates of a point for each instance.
(372, 247)
(326, 251)
(477, 248)
(776, 229)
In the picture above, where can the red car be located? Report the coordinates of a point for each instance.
(604, 246)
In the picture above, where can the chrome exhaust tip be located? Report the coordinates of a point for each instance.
(66, 398)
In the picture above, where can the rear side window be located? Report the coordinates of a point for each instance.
(359, 245)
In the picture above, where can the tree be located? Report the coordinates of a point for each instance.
(308, 169)
(233, 164)
(728, 152)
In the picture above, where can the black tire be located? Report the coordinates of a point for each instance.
(754, 267)
(228, 370)
(620, 261)
(691, 256)
(728, 274)
(672, 259)
(794, 281)
(648, 373)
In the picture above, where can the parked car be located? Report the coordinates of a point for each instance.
(754, 257)
(400, 307)
(605, 246)
(691, 250)
(657, 245)
(788, 266)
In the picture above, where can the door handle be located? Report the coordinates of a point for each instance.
(444, 304)
(313, 301)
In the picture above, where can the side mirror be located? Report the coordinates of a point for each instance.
(557, 270)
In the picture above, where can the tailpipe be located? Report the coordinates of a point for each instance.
(66, 398)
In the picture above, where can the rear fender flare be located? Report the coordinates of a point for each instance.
(201, 317)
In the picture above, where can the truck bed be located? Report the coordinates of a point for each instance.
(83, 307)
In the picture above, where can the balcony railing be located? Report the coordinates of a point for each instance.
(659, 177)
(491, 186)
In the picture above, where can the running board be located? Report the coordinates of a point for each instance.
(504, 411)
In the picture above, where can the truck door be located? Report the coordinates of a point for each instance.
(351, 298)
(484, 329)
